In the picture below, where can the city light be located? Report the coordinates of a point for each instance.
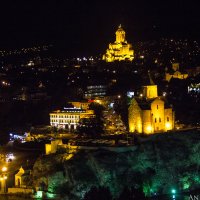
(164, 94)
(123, 123)
(173, 191)
(4, 169)
(3, 179)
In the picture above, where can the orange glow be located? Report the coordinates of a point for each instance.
(149, 129)
(4, 169)
(168, 126)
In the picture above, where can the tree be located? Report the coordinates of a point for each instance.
(98, 110)
(132, 194)
(100, 193)
(90, 127)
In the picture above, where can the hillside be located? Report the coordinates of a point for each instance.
(157, 164)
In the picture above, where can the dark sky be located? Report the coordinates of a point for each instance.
(88, 25)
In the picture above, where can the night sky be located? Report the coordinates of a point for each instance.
(88, 26)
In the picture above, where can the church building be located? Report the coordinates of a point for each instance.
(150, 113)
(120, 49)
(175, 73)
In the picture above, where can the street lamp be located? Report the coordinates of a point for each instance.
(173, 191)
(4, 169)
(3, 179)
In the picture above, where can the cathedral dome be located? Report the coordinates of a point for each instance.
(120, 29)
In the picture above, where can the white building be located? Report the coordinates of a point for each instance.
(68, 118)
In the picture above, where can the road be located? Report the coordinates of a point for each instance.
(21, 158)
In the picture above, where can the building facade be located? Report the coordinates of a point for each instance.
(22, 177)
(175, 73)
(78, 104)
(150, 113)
(120, 49)
(68, 118)
(94, 91)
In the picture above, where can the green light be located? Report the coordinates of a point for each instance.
(39, 194)
(50, 195)
(173, 191)
(186, 186)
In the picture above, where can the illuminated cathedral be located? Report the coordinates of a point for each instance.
(120, 50)
(150, 113)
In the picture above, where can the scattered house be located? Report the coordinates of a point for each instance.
(23, 177)
(53, 146)
(23, 180)
(175, 73)
(95, 91)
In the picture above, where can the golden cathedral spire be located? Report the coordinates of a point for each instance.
(120, 35)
